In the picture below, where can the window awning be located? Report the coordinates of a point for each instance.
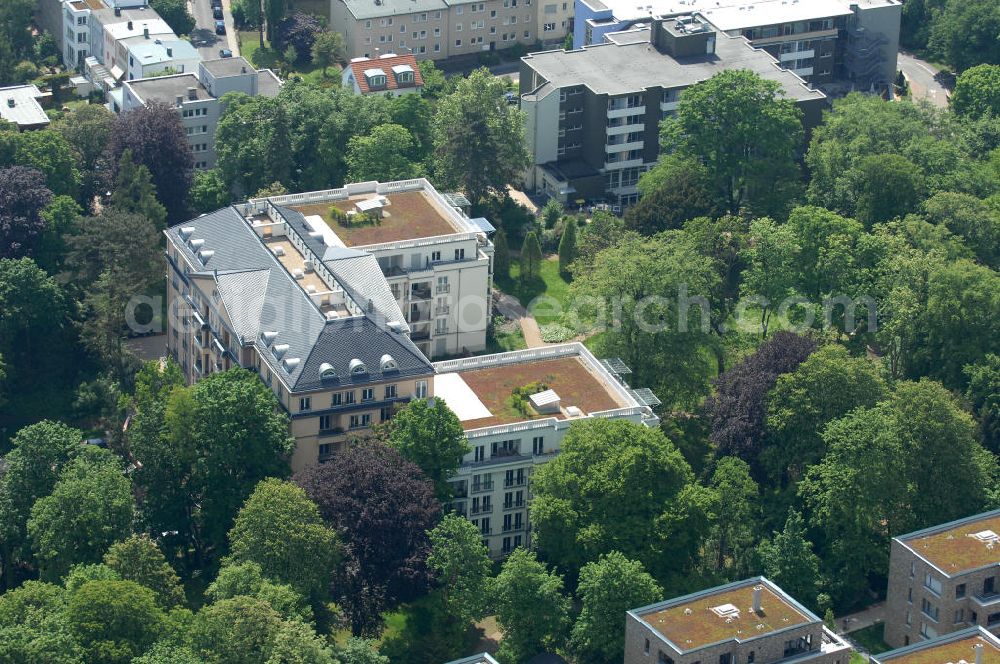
(483, 224)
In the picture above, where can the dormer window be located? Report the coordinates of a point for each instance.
(375, 78)
(403, 74)
(279, 350)
(357, 367)
(326, 371)
(387, 363)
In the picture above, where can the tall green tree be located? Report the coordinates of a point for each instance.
(963, 33)
(907, 463)
(138, 558)
(977, 92)
(584, 501)
(735, 518)
(176, 15)
(501, 255)
(88, 130)
(787, 558)
(461, 567)
(745, 133)
(983, 394)
(770, 276)
(46, 151)
(114, 621)
(608, 588)
(328, 49)
(382, 155)
(567, 246)
(135, 192)
(975, 221)
(188, 442)
(90, 507)
(209, 191)
(885, 187)
(826, 386)
(252, 142)
(281, 530)
(531, 257)
(39, 453)
(430, 435)
(825, 262)
(674, 191)
(654, 311)
(532, 611)
(478, 138)
(274, 12)
(247, 579)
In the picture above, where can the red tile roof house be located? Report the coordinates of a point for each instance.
(388, 73)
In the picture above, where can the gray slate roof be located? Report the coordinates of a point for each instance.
(260, 295)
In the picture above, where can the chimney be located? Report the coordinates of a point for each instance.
(979, 652)
(170, 52)
(11, 103)
(180, 100)
(192, 94)
(145, 32)
(130, 26)
(756, 599)
(118, 11)
(243, 70)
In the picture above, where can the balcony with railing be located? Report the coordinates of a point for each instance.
(482, 487)
(442, 310)
(516, 481)
(514, 504)
(481, 509)
(420, 292)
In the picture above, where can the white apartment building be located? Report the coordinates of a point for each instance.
(493, 484)
(437, 262)
(147, 58)
(197, 98)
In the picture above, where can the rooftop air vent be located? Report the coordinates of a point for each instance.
(279, 350)
(310, 289)
(726, 611)
(357, 367)
(388, 363)
(307, 265)
(298, 273)
(326, 371)
(987, 537)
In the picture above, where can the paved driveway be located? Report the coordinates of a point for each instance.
(924, 79)
(203, 36)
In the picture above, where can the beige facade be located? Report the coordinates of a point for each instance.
(436, 29)
(944, 579)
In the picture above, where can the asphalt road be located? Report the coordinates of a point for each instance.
(203, 36)
(925, 81)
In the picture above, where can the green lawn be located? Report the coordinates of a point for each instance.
(871, 638)
(501, 343)
(549, 283)
(267, 58)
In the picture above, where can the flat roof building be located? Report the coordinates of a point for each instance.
(972, 645)
(509, 436)
(943, 579)
(593, 114)
(854, 42)
(747, 621)
(19, 105)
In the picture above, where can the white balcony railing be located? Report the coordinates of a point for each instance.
(622, 112)
(623, 147)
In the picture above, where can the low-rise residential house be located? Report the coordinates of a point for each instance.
(593, 114)
(972, 645)
(851, 41)
(171, 56)
(746, 622)
(493, 483)
(198, 98)
(943, 579)
(388, 74)
(19, 105)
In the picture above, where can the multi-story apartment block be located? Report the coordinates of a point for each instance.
(433, 29)
(197, 98)
(493, 483)
(746, 622)
(593, 114)
(388, 74)
(555, 20)
(436, 263)
(944, 579)
(972, 645)
(854, 41)
(159, 57)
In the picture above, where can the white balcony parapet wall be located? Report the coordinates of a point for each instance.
(623, 112)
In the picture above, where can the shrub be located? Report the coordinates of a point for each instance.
(556, 332)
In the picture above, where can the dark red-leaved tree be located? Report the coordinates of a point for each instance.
(23, 196)
(738, 409)
(158, 141)
(382, 505)
(299, 31)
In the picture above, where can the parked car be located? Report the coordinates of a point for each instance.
(217, 12)
(220, 27)
(216, 3)
(225, 53)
